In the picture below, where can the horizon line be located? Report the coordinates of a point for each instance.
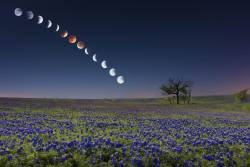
(109, 98)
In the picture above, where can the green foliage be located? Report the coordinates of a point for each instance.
(241, 96)
(235, 107)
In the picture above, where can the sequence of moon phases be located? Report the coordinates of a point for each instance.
(49, 24)
(104, 64)
(72, 39)
(112, 72)
(57, 27)
(94, 58)
(86, 51)
(80, 45)
(29, 15)
(64, 34)
(120, 80)
(40, 20)
(18, 12)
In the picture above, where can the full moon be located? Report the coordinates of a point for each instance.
(18, 12)
(120, 80)
(112, 72)
(29, 15)
(40, 20)
(64, 34)
(80, 45)
(72, 39)
(104, 64)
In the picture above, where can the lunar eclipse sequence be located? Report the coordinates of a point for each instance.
(72, 39)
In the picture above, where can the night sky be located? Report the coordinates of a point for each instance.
(147, 42)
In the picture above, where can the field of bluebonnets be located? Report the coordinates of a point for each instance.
(39, 132)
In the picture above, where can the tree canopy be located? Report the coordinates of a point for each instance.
(177, 87)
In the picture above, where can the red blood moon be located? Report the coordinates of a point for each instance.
(72, 39)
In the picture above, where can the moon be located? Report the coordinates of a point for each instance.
(29, 15)
(64, 34)
(49, 24)
(112, 72)
(18, 12)
(86, 51)
(40, 20)
(120, 80)
(80, 45)
(94, 58)
(72, 39)
(57, 27)
(104, 64)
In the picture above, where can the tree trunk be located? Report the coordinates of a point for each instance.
(177, 98)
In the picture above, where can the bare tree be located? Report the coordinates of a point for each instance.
(177, 87)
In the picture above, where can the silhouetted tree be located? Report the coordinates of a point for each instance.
(177, 87)
(241, 96)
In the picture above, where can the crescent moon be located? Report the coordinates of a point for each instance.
(112, 72)
(104, 64)
(57, 27)
(86, 51)
(49, 24)
(94, 58)
(18, 12)
(120, 80)
(29, 15)
(40, 20)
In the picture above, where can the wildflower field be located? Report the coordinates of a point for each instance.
(52, 132)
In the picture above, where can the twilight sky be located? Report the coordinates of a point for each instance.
(147, 42)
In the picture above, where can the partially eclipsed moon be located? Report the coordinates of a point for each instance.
(86, 51)
(57, 27)
(104, 64)
(40, 20)
(120, 80)
(18, 12)
(30, 15)
(112, 72)
(80, 45)
(49, 24)
(64, 34)
(94, 58)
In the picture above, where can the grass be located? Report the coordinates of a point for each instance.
(66, 132)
